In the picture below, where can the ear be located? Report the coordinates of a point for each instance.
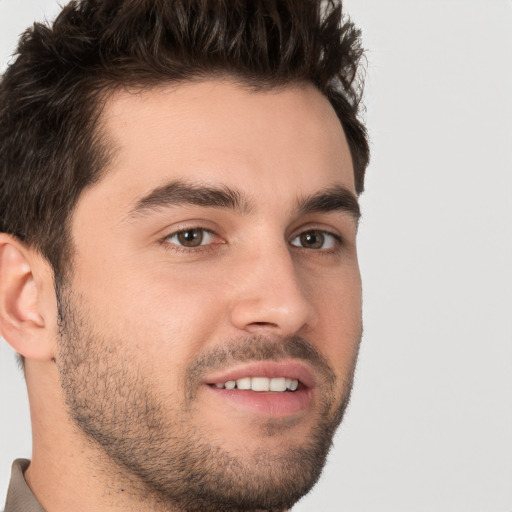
(27, 300)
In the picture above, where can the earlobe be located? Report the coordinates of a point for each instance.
(22, 321)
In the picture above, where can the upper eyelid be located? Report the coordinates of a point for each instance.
(183, 230)
(338, 239)
(191, 228)
(336, 233)
(168, 232)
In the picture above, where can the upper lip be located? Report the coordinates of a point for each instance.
(290, 369)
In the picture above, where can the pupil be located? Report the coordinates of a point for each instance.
(312, 239)
(191, 238)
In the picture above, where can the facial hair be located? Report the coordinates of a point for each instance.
(179, 464)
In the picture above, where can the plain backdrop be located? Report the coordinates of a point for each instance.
(429, 428)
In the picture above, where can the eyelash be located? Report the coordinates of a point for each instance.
(337, 241)
(183, 249)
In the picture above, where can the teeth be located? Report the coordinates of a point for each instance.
(244, 383)
(278, 384)
(260, 384)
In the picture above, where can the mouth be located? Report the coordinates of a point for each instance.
(261, 384)
(274, 389)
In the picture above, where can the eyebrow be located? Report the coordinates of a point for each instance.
(332, 199)
(178, 193)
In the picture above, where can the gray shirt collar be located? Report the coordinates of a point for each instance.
(19, 495)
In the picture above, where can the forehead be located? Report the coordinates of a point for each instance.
(286, 140)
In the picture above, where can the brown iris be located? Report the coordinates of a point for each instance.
(191, 237)
(312, 239)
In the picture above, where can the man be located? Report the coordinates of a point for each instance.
(178, 264)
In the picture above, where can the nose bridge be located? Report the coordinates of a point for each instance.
(271, 295)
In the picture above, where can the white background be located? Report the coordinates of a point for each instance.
(430, 424)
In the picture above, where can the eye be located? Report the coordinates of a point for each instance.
(315, 239)
(194, 237)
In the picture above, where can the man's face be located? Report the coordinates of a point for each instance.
(220, 247)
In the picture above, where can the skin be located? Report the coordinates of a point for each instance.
(150, 307)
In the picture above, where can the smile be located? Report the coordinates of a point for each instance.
(269, 388)
(260, 384)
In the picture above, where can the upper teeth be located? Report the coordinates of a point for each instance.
(261, 384)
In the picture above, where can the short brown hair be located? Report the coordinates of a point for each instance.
(52, 95)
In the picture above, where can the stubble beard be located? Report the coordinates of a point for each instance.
(165, 458)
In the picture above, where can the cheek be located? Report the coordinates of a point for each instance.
(339, 307)
(176, 310)
(160, 313)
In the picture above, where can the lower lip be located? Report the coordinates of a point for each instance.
(270, 403)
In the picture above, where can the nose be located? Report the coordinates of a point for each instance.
(270, 296)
